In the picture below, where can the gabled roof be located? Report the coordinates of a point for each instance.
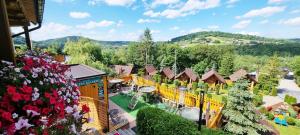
(238, 75)
(150, 69)
(168, 72)
(123, 69)
(213, 73)
(190, 73)
(79, 71)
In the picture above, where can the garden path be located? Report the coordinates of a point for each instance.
(289, 87)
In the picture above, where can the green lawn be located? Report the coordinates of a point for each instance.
(289, 130)
(123, 102)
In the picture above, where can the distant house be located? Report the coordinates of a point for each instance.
(123, 70)
(150, 70)
(241, 74)
(166, 72)
(188, 75)
(212, 77)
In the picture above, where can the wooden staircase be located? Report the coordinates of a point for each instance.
(122, 132)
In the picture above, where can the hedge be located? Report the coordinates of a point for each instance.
(154, 121)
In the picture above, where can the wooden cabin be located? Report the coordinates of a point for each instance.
(124, 71)
(150, 70)
(243, 74)
(212, 78)
(93, 91)
(167, 73)
(188, 75)
(18, 13)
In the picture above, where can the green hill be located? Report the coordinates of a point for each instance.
(223, 38)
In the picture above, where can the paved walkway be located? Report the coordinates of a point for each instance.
(288, 87)
(122, 113)
(271, 100)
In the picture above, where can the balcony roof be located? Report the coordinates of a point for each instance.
(79, 71)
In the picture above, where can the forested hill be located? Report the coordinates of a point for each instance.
(61, 41)
(223, 38)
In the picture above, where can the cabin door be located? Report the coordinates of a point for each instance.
(90, 90)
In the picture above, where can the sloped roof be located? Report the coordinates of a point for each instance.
(83, 71)
(150, 69)
(238, 75)
(213, 73)
(123, 69)
(190, 73)
(168, 72)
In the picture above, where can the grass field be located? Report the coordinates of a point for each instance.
(289, 130)
(123, 102)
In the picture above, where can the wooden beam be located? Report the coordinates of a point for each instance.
(7, 51)
(27, 38)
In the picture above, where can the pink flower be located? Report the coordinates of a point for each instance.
(22, 123)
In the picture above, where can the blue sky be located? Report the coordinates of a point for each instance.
(126, 19)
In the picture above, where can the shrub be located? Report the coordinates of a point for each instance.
(297, 123)
(256, 90)
(292, 112)
(270, 116)
(176, 83)
(258, 100)
(290, 99)
(263, 110)
(224, 100)
(290, 120)
(194, 85)
(274, 91)
(154, 121)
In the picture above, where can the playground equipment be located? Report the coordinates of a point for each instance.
(281, 119)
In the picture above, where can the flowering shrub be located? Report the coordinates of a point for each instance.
(37, 97)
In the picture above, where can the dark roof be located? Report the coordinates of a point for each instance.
(238, 75)
(24, 12)
(123, 69)
(150, 69)
(168, 72)
(213, 73)
(83, 71)
(190, 73)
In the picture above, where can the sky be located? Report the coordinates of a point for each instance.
(125, 20)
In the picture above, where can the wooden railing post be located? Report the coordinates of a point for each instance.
(7, 51)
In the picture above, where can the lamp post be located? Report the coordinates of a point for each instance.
(201, 108)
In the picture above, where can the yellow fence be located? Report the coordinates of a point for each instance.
(190, 99)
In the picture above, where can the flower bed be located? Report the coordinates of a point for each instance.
(37, 97)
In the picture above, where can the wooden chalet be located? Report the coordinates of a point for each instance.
(188, 75)
(123, 70)
(243, 74)
(212, 78)
(93, 85)
(150, 70)
(167, 73)
(18, 13)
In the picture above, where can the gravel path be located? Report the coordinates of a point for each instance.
(288, 87)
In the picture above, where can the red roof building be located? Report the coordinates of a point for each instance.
(213, 77)
(150, 70)
(123, 70)
(167, 73)
(187, 75)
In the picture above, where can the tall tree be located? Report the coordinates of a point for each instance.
(240, 111)
(227, 65)
(147, 46)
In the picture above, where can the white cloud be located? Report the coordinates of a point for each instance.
(112, 2)
(295, 11)
(264, 21)
(189, 8)
(174, 28)
(79, 15)
(232, 1)
(155, 31)
(164, 2)
(92, 24)
(213, 27)
(242, 24)
(148, 21)
(275, 1)
(292, 22)
(111, 31)
(197, 30)
(254, 33)
(120, 23)
(265, 12)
